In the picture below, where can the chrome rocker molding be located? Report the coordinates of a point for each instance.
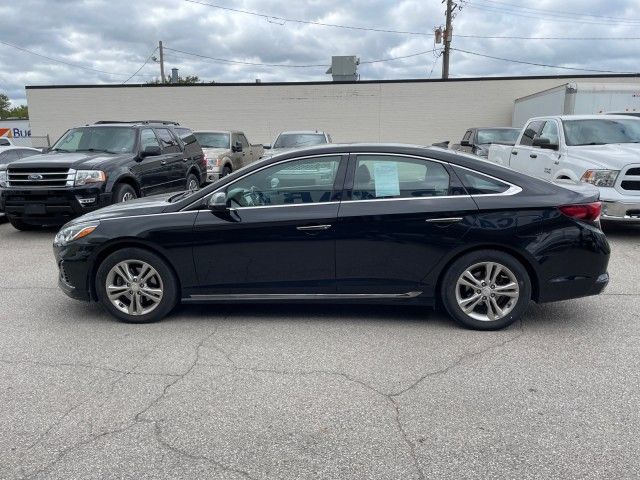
(299, 296)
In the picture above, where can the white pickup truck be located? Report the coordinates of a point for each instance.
(597, 149)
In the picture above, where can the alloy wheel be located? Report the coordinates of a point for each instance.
(134, 287)
(193, 184)
(128, 196)
(487, 291)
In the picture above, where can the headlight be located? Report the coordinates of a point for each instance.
(74, 232)
(3, 178)
(86, 177)
(212, 163)
(600, 178)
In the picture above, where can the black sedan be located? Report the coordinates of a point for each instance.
(344, 223)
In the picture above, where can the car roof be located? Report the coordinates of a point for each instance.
(303, 132)
(581, 117)
(217, 131)
(494, 128)
(4, 148)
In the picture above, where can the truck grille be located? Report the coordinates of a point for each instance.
(630, 180)
(49, 177)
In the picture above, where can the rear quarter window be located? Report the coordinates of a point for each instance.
(479, 184)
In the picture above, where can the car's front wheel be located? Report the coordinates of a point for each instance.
(226, 170)
(123, 192)
(486, 290)
(136, 286)
(192, 182)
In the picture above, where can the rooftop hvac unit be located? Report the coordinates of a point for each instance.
(344, 68)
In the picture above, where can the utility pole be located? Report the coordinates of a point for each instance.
(447, 41)
(161, 62)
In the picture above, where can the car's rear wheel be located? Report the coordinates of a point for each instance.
(486, 290)
(136, 286)
(192, 182)
(22, 226)
(226, 170)
(123, 193)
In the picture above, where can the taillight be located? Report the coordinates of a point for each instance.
(585, 211)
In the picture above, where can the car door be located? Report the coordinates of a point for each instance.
(523, 154)
(545, 161)
(277, 237)
(175, 165)
(150, 171)
(399, 216)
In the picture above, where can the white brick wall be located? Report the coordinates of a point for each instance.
(407, 112)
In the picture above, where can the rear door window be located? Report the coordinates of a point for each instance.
(383, 176)
(169, 142)
(479, 184)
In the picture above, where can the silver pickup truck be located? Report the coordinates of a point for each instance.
(226, 151)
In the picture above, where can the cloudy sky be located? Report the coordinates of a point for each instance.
(111, 39)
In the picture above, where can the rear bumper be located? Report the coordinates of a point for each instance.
(52, 206)
(565, 288)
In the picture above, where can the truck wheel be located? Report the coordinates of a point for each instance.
(486, 290)
(226, 170)
(192, 182)
(136, 286)
(20, 225)
(123, 193)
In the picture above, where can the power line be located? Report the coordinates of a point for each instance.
(539, 64)
(145, 62)
(517, 37)
(288, 65)
(272, 18)
(537, 16)
(63, 61)
(560, 12)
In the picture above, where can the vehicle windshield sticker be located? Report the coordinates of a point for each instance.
(385, 175)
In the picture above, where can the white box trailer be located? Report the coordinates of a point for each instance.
(577, 99)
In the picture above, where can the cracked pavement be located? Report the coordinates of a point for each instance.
(325, 392)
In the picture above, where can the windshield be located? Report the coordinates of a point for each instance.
(601, 132)
(212, 139)
(97, 139)
(290, 140)
(498, 135)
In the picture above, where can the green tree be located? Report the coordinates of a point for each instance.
(7, 111)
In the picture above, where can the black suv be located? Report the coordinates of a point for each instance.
(97, 165)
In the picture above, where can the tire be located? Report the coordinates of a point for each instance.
(123, 192)
(511, 289)
(147, 307)
(226, 170)
(20, 225)
(192, 182)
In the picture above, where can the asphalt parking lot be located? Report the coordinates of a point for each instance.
(314, 392)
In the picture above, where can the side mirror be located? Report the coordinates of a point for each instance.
(218, 202)
(465, 143)
(237, 147)
(150, 151)
(544, 143)
(267, 146)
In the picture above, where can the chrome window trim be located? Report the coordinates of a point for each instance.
(512, 190)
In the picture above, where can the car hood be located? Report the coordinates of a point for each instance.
(613, 156)
(215, 152)
(270, 152)
(75, 160)
(139, 206)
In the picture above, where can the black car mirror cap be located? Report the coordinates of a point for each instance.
(465, 143)
(544, 143)
(267, 146)
(150, 151)
(218, 202)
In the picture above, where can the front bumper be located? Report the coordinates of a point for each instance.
(73, 271)
(55, 206)
(620, 212)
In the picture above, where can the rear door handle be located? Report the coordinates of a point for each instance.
(313, 228)
(163, 162)
(444, 220)
(514, 152)
(533, 155)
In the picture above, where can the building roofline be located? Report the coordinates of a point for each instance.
(328, 82)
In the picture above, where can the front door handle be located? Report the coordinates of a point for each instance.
(533, 155)
(444, 220)
(557, 162)
(313, 228)
(163, 162)
(514, 152)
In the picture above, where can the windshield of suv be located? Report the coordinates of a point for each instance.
(290, 140)
(601, 132)
(498, 135)
(97, 139)
(212, 139)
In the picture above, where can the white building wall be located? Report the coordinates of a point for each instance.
(420, 112)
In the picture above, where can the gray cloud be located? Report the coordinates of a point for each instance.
(117, 35)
